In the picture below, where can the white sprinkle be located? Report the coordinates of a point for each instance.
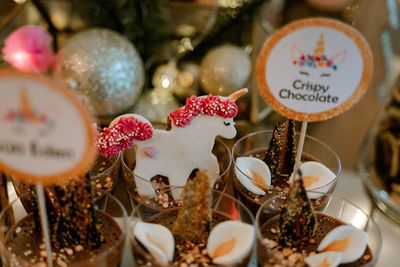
(69, 251)
(43, 253)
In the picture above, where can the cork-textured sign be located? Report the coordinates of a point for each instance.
(46, 133)
(314, 69)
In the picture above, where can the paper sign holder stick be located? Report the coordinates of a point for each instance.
(300, 147)
(44, 223)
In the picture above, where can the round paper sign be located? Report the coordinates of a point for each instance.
(46, 134)
(314, 69)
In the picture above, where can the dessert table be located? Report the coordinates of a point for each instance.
(349, 187)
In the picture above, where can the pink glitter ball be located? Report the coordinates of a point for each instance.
(29, 49)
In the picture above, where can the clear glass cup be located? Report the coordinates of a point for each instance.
(105, 172)
(378, 158)
(256, 143)
(224, 207)
(104, 176)
(220, 150)
(112, 213)
(379, 187)
(336, 208)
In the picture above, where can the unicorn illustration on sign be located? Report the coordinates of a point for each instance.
(318, 64)
(26, 115)
(174, 153)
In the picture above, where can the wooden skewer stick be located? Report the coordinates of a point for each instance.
(300, 148)
(44, 223)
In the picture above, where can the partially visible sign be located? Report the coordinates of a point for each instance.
(314, 69)
(45, 132)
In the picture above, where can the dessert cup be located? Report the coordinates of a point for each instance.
(21, 246)
(104, 173)
(336, 212)
(223, 206)
(255, 145)
(220, 150)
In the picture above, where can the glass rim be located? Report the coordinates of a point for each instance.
(117, 157)
(103, 254)
(379, 194)
(375, 257)
(217, 139)
(337, 173)
(242, 206)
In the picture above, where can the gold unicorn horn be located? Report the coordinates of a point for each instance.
(319, 48)
(239, 93)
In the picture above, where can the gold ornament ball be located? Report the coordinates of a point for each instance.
(104, 67)
(224, 70)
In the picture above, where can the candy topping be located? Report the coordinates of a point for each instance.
(297, 220)
(193, 218)
(151, 152)
(122, 134)
(253, 174)
(281, 153)
(325, 259)
(207, 105)
(348, 240)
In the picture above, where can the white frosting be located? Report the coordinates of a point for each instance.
(240, 235)
(179, 151)
(358, 241)
(246, 168)
(332, 258)
(157, 239)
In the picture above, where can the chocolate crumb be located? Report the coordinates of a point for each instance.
(367, 257)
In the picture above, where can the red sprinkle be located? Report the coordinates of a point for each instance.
(209, 105)
(121, 135)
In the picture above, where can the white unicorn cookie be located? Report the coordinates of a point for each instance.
(174, 153)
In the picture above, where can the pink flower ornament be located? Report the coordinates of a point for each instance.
(29, 49)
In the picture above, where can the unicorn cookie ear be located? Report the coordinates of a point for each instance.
(237, 94)
(339, 57)
(122, 133)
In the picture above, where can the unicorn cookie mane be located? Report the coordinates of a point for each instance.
(207, 105)
(122, 134)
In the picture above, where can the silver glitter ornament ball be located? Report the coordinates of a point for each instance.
(104, 67)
